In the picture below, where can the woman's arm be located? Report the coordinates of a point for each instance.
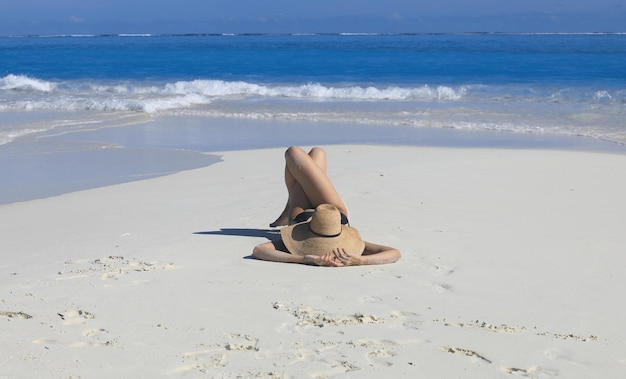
(275, 251)
(372, 255)
(378, 254)
(269, 251)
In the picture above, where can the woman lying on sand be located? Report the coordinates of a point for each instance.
(316, 229)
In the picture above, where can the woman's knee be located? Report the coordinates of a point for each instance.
(294, 152)
(296, 157)
(317, 153)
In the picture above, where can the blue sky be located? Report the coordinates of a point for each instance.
(20, 17)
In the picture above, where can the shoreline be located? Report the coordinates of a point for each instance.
(511, 265)
(57, 162)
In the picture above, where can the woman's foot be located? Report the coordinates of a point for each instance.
(283, 219)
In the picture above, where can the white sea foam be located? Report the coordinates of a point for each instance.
(22, 82)
(154, 98)
(602, 95)
(217, 88)
(512, 108)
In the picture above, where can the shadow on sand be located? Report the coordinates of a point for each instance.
(270, 234)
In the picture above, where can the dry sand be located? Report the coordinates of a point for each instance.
(512, 266)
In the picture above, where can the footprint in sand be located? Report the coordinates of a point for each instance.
(533, 372)
(241, 342)
(381, 357)
(307, 317)
(371, 299)
(477, 324)
(218, 355)
(504, 328)
(110, 267)
(16, 315)
(311, 317)
(437, 269)
(206, 360)
(304, 355)
(440, 287)
(75, 316)
(476, 357)
(407, 319)
(561, 355)
(363, 353)
(91, 337)
(329, 357)
(337, 367)
(95, 337)
(441, 270)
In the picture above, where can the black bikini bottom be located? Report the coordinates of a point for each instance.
(304, 216)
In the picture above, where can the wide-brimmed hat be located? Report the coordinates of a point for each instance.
(322, 233)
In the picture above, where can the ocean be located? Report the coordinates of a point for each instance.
(81, 111)
(547, 84)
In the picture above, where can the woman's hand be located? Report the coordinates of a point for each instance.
(334, 258)
(346, 259)
(327, 259)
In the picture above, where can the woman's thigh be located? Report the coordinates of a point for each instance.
(313, 179)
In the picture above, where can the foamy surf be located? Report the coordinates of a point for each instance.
(563, 84)
(25, 83)
(568, 111)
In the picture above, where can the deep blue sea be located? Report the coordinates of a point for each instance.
(548, 84)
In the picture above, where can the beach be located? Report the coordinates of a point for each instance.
(139, 171)
(511, 266)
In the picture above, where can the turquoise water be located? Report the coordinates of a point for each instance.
(558, 84)
(79, 112)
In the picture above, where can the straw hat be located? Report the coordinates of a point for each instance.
(322, 233)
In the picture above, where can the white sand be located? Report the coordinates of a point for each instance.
(512, 265)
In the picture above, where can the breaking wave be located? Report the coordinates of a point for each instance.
(182, 94)
(21, 82)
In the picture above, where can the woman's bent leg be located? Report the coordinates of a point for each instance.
(313, 187)
(307, 183)
(295, 194)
